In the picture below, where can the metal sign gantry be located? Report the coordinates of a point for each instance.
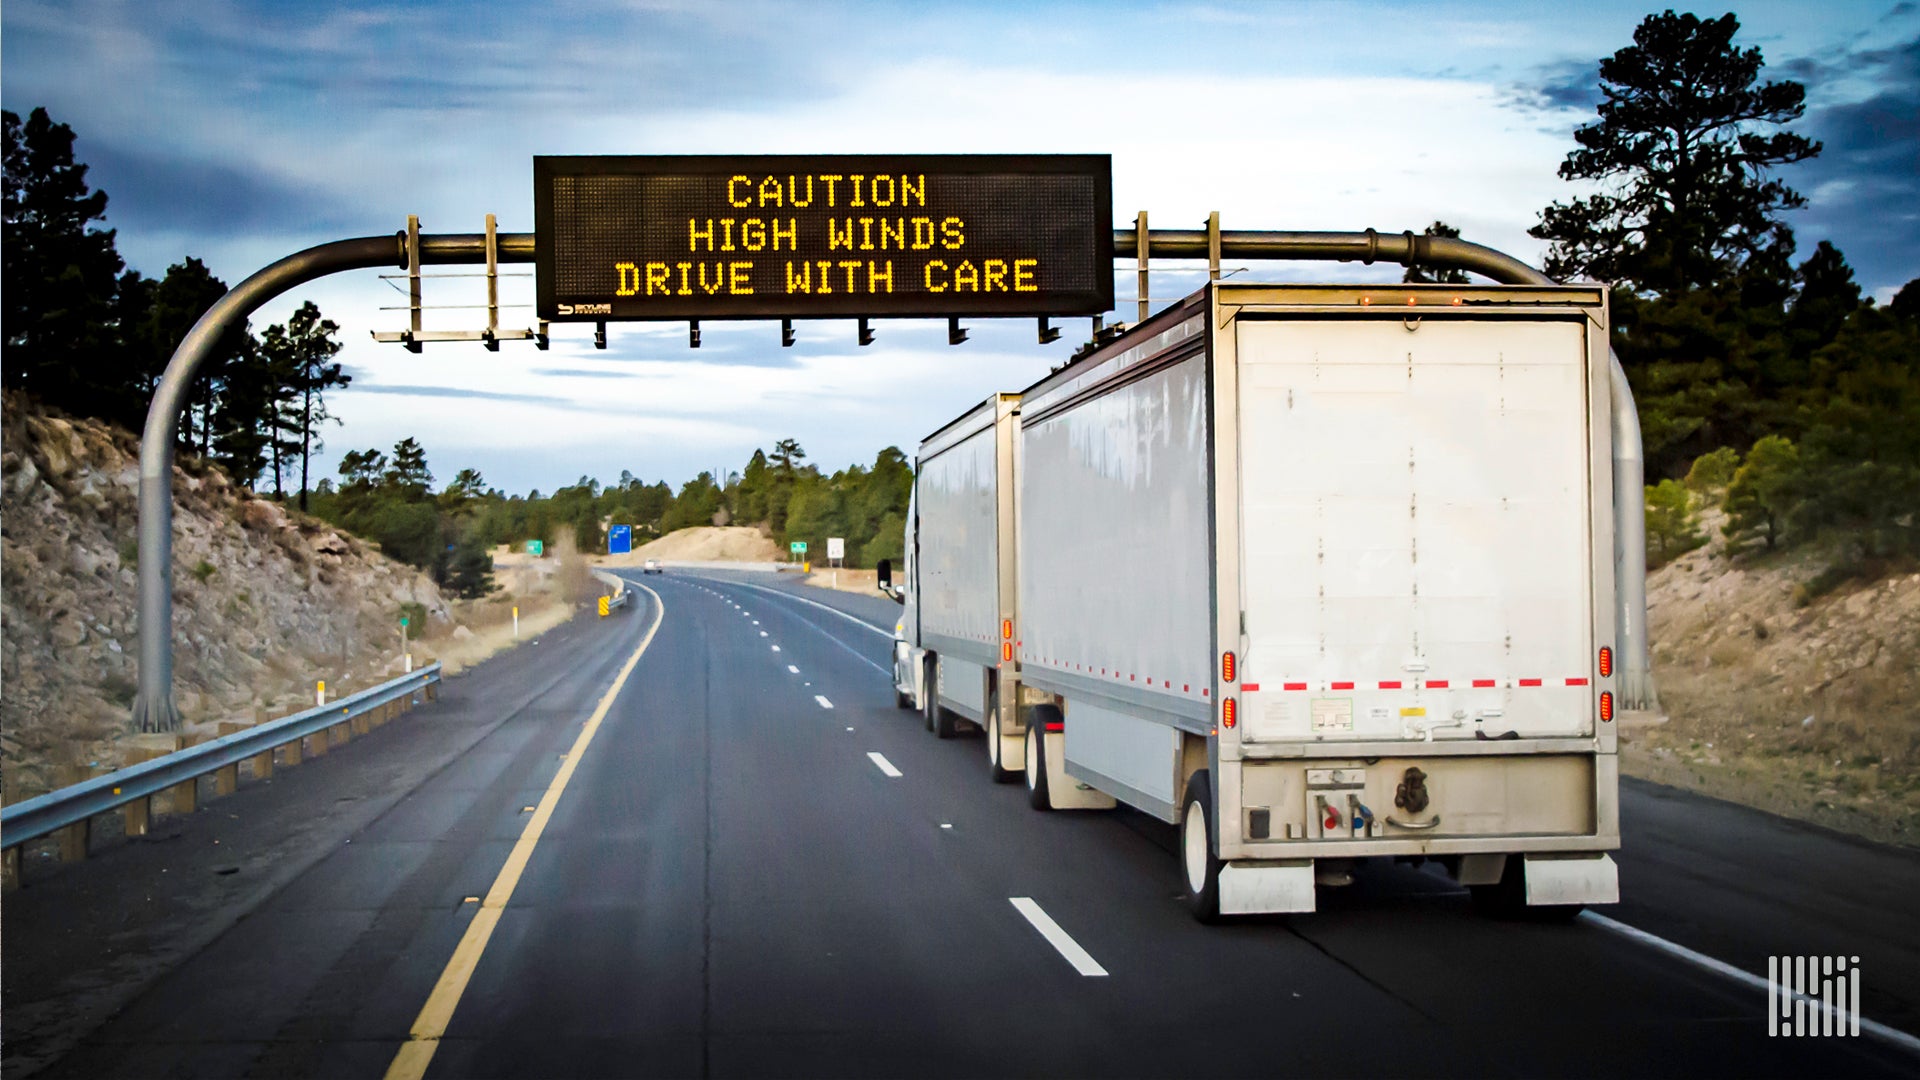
(409, 250)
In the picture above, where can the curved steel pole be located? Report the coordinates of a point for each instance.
(153, 709)
(1411, 249)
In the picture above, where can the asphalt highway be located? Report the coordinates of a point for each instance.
(748, 862)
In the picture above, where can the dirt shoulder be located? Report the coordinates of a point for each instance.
(1808, 707)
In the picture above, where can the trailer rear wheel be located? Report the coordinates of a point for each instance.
(999, 775)
(1037, 723)
(1200, 867)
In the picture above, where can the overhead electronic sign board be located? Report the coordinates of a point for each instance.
(822, 236)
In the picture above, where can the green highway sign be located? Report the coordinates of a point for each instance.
(536, 548)
(798, 547)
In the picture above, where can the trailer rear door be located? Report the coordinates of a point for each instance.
(1416, 555)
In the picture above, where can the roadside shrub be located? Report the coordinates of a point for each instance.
(1672, 529)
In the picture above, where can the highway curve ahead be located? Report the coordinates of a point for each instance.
(758, 866)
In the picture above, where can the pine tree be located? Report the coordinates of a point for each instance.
(60, 277)
(1684, 145)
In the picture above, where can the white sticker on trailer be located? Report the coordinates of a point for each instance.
(1333, 714)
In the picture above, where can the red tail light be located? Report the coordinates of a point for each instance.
(1006, 628)
(1606, 661)
(1606, 705)
(1006, 651)
(1226, 667)
(1227, 713)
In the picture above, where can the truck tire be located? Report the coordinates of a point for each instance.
(998, 774)
(1036, 773)
(1199, 866)
(932, 703)
(1507, 900)
(939, 719)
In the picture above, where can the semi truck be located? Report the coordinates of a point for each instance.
(1313, 574)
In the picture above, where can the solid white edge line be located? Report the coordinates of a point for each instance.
(1721, 967)
(883, 764)
(835, 611)
(1082, 961)
(822, 699)
(862, 623)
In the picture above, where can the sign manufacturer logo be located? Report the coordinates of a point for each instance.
(1816, 996)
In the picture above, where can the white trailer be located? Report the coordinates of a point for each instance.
(1325, 573)
(953, 656)
(1319, 574)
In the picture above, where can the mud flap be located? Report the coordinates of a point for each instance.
(1266, 888)
(1554, 879)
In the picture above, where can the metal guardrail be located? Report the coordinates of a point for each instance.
(75, 804)
(621, 594)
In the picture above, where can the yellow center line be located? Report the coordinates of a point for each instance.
(410, 1063)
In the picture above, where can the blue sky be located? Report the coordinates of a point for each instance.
(241, 131)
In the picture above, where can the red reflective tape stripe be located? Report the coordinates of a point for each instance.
(1485, 682)
(1394, 685)
(1437, 684)
(1576, 682)
(1249, 687)
(1343, 686)
(1529, 682)
(1057, 727)
(1203, 691)
(1293, 686)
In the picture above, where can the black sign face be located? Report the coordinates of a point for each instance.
(630, 238)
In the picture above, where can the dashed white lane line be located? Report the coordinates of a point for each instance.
(822, 699)
(1722, 968)
(880, 761)
(776, 648)
(1081, 960)
(763, 633)
(792, 669)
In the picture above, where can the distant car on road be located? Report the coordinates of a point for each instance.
(652, 566)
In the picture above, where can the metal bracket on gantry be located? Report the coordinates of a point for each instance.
(415, 336)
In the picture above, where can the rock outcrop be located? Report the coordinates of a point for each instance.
(266, 601)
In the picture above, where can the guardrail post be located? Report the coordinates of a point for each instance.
(290, 752)
(184, 798)
(226, 780)
(317, 744)
(139, 814)
(338, 735)
(261, 765)
(73, 840)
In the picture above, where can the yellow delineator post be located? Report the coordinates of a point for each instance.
(604, 601)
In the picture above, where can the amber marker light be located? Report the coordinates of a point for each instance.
(1226, 667)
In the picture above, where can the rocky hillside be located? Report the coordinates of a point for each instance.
(265, 601)
(1799, 704)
